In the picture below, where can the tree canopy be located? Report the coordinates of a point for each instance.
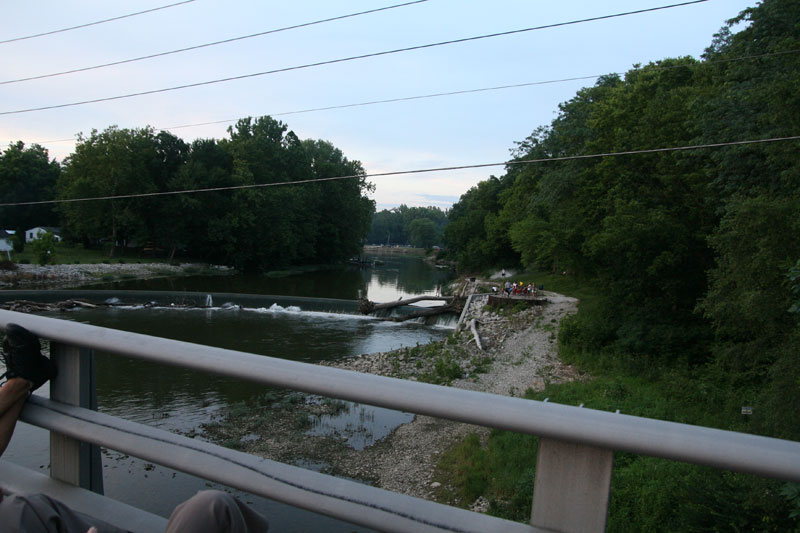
(27, 175)
(690, 248)
(418, 226)
(261, 223)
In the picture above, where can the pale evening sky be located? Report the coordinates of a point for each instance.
(455, 130)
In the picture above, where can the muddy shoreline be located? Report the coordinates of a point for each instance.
(66, 276)
(519, 353)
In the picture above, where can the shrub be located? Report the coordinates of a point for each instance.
(5, 264)
(19, 242)
(44, 247)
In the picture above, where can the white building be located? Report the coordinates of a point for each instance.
(34, 233)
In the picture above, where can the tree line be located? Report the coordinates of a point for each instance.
(694, 252)
(422, 227)
(687, 262)
(250, 228)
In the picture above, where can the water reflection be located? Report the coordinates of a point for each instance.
(397, 276)
(180, 400)
(358, 425)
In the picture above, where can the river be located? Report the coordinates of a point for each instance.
(308, 317)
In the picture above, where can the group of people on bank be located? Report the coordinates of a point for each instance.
(518, 289)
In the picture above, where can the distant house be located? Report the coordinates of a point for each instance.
(6, 242)
(34, 233)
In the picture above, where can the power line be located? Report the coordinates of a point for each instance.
(215, 43)
(351, 58)
(479, 90)
(406, 172)
(458, 92)
(94, 23)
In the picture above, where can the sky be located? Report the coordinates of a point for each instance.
(456, 130)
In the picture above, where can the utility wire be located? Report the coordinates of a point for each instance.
(406, 172)
(458, 92)
(351, 58)
(215, 43)
(478, 90)
(94, 23)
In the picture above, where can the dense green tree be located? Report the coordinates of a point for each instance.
(163, 229)
(274, 225)
(44, 247)
(471, 221)
(757, 191)
(387, 228)
(755, 98)
(208, 166)
(110, 163)
(639, 225)
(422, 232)
(393, 226)
(27, 175)
(249, 217)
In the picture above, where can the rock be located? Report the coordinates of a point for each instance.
(481, 505)
(435, 485)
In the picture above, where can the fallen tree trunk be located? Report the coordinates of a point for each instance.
(453, 305)
(473, 326)
(366, 307)
(430, 311)
(28, 306)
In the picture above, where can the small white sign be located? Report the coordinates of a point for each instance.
(747, 410)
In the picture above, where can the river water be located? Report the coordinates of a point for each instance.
(307, 317)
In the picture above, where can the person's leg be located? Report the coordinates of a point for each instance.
(26, 370)
(213, 511)
(13, 394)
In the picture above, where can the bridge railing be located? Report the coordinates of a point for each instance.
(574, 463)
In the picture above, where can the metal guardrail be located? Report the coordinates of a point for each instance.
(573, 466)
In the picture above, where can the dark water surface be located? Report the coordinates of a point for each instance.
(306, 317)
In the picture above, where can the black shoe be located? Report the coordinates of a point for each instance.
(23, 358)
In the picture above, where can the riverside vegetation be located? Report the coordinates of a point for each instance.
(686, 263)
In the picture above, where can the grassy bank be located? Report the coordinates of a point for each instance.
(647, 494)
(66, 254)
(392, 250)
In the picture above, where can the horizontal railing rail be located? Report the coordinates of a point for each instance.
(753, 454)
(347, 500)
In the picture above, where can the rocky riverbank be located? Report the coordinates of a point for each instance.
(519, 353)
(64, 276)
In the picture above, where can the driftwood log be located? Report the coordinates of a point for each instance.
(366, 307)
(29, 306)
(473, 326)
(453, 305)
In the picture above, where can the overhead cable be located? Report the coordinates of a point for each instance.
(215, 43)
(346, 59)
(94, 23)
(406, 172)
(454, 93)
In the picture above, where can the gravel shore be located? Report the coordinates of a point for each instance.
(519, 354)
(523, 351)
(63, 276)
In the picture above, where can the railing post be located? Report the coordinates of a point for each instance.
(571, 490)
(71, 460)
